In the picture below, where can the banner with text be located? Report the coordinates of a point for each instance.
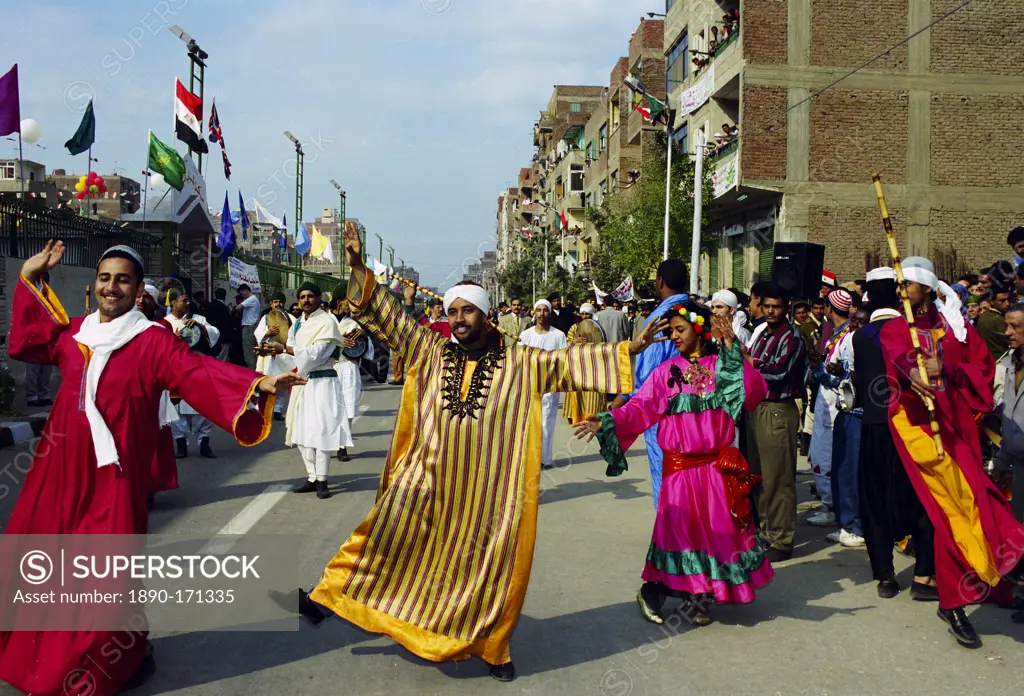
(693, 98)
(240, 272)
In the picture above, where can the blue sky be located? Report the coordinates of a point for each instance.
(421, 109)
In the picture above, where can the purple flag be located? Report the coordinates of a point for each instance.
(10, 106)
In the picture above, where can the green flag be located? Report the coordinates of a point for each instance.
(166, 161)
(85, 136)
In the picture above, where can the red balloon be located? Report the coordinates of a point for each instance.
(103, 189)
(80, 195)
(99, 181)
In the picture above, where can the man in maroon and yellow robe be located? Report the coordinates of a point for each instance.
(978, 542)
(70, 488)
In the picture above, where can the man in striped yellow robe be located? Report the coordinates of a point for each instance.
(441, 563)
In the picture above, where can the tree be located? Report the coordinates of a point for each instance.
(525, 274)
(631, 221)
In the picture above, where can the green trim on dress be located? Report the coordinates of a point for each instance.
(611, 451)
(728, 395)
(700, 563)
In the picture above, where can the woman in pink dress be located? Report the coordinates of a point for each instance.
(704, 548)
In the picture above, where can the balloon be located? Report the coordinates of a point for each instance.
(29, 130)
(103, 188)
(80, 186)
(157, 179)
(83, 180)
(94, 189)
(80, 195)
(98, 181)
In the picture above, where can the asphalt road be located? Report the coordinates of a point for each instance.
(819, 628)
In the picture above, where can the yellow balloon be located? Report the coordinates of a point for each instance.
(82, 180)
(80, 186)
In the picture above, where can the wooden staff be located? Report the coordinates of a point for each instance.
(908, 312)
(429, 293)
(88, 295)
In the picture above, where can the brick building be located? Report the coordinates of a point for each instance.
(123, 196)
(938, 118)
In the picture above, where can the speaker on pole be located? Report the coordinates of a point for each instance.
(797, 267)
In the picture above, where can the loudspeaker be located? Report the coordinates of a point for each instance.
(797, 268)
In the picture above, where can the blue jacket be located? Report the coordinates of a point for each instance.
(648, 361)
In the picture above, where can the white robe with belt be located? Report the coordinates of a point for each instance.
(552, 340)
(212, 332)
(272, 364)
(316, 410)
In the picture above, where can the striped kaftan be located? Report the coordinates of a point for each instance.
(441, 563)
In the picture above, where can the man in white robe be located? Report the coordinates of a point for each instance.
(546, 337)
(317, 421)
(274, 364)
(348, 369)
(189, 420)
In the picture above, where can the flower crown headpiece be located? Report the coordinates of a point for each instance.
(696, 320)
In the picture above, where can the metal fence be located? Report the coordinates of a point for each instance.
(25, 228)
(279, 276)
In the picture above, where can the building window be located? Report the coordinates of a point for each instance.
(668, 5)
(7, 172)
(558, 188)
(576, 178)
(682, 138)
(678, 63)
(604, 137)
(615, 180)
(575, 108)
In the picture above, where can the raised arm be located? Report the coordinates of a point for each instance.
(37, 317)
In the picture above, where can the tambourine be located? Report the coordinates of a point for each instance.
(191, 335)
(358, 350)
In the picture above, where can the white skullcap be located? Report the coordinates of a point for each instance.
(542, 303)
(918, 269)
(727, 297)
(153, 292)
(881, 273)
(587, 308)
(473, 294)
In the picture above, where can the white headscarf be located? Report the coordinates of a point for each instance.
(542, 303)
(103, 339)
(153, 292)
(587, 308)
(727, 297)
(918, 269)
(474, 294)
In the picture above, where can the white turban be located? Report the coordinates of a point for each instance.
(473, 294)
(153, 292)
(881, 273)
(542, 303)
(587, 308)
(918, 269)
(727, 297)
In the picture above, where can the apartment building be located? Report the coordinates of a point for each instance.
(936, 117)
(508, 226)
(123, 197)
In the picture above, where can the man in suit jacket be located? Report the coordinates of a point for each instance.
(1010, 456)
(515, 322)
(614, 322)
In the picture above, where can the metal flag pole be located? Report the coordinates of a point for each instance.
(698, 204)
(145, 198)
(21, 165)
(668, 190)
(908, 313)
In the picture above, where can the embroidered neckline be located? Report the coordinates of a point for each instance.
(455, 360)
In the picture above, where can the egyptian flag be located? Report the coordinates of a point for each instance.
(188, 118)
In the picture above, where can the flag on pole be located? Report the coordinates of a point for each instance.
(242, 214)
(85, 136)
(302, 242)
(166, 161)
(10, 103)
(318, 243)
(217, 136)
(651, 108)
(188, 118)
(226, 238)
(563, 224)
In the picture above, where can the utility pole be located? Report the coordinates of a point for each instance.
(341, 222)
(380, 256)
(698, 205)
(196, 75)
(299, 161)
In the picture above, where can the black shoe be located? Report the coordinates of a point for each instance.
(924, 593)
(887, 589)
(1016, 576)
(306, 486)
(960, 626)
(775, 555)
(205, 450)
(34, 403)
(142, 673)
(278, 416)
(322, 491)
(343, 455)
(45, 402)
(1017, 617)
(313, 613)
(182, 445)
(503, 673)
(150, 499)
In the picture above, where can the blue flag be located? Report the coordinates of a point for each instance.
(226, 238)
(302, 241)
(284, 231)
(242, 214)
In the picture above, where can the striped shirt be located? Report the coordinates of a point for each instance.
(780, 355)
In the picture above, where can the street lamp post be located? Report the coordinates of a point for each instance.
(299, 161)
(196, 55)
(391, 253)
(341, 222)
(380, 239)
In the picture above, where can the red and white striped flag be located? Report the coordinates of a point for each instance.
(188, 118)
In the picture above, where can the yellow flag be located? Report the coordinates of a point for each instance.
(318, 243)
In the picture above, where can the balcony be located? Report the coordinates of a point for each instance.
(718, 51)
(725, 176)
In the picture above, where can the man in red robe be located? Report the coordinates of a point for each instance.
(978, 542)
(95, 477)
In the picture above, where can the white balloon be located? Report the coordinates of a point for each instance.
(29, 130)
(157, 179)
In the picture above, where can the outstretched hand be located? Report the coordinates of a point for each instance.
(281, 382)
(587, 428)
(649, 337)
(722, 331)
(43, 262)
(353, 248)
